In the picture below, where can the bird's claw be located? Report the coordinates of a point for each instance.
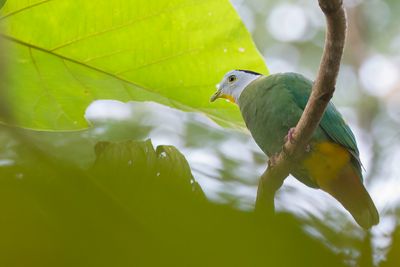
(289, 137)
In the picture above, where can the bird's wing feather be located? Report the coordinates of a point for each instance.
(332, 122)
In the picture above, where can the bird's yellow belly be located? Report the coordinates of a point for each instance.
(326, 162)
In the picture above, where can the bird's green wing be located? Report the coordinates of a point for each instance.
(332, 122)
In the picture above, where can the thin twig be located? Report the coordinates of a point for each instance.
(322, 91)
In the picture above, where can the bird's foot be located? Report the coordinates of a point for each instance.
(289, 137)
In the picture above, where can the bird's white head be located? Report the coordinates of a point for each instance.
(233, 84)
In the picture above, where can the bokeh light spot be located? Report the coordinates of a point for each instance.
(287, 22)
(378, 75)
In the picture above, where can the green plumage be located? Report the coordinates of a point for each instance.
(273, 104)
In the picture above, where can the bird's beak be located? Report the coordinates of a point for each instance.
(216, 95)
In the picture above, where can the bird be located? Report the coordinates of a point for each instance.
(272, 105)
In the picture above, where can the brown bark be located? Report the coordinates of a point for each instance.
(322, 91)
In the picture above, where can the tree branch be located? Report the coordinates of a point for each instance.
(322, 91)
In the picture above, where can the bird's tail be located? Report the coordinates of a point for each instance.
(348, 189)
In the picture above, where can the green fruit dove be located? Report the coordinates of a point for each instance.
(272, 105)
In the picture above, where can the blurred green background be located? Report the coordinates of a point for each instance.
(60, 208)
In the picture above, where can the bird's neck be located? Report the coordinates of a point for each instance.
(243, 84)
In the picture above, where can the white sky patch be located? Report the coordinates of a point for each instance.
(203, 157)
(160, 136)
(247, 191)
(391, 195)
(379, 14)
(277, 65)
(250, 172)
(314, 17)
(6, 162)
(210, 186)
(285, 52)
(307, 199)
(347, 86)
(247, 194)
(99, 130)
(246, 14)
(166, 120)
(378, 75)
(236, 150)
(386, 192)
(382, 232)
(393, 107)
(108, 110)
(395, 44)
(364, 146)
(287, 22)
(352, 3)
(205, 166)
(203, 119)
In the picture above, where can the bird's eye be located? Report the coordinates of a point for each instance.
(232, 78)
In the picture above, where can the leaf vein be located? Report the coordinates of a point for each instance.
(73, 61)
(163, 59)
(45, 89)
(76, 78)
(129, 23)
(24, 8)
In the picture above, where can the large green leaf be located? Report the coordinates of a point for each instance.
(65, 54)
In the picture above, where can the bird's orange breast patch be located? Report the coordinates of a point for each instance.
(326, 161)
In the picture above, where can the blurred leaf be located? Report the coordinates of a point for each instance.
(393, 256)
(171, 163)
(121, 212)
(64, 55)
(366, 257)
(138, 167)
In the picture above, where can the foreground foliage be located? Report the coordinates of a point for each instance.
(136, 206)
